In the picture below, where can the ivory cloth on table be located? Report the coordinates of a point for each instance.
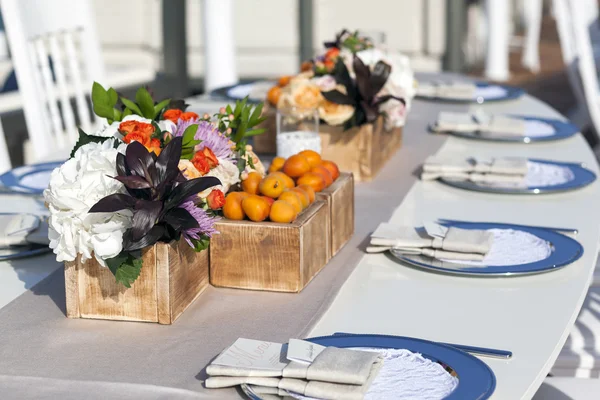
(39, 341)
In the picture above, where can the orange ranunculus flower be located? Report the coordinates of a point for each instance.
(154, 146)
(201, 163)
(216, 199)
(332, 53)
(212, 160)
(186, 116)
(127, 126)
(172, 115)
(141, 128)
(137, 137)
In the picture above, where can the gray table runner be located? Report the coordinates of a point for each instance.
(43, 354)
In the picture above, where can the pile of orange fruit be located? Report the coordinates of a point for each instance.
(289, 188)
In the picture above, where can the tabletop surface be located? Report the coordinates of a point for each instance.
(531, 316)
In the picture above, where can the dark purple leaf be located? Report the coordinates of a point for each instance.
(383, 99)
(379, 76)
(121, 166)
(180, 219)
(113, 202)
(148, 239)
(140, 161)
(168, 160)
(134, 182)
(363, 78)
(338, 97)
(145, 216)
(370, 111)
(342, 76)
(188, 188)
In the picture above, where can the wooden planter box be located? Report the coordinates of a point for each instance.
(362, 150)
(269, 255)
(340, 202)
(172, 276)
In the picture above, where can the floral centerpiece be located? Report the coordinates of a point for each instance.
(351, 83)
(153, 173)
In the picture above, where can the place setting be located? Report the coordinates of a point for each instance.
(467, 92)
(480, 125)
(507, 175)
(484, 249)
(28, 179)
(24, 235)
(354, 366)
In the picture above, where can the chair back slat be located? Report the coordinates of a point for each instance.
(83, 111)
(47, 81)
(56, 55)
(61, 79)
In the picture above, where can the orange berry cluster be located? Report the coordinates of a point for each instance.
(289, 188)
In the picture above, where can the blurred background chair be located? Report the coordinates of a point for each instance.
(56, 56)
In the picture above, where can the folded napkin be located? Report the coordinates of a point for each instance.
(334, 373)
(455, 90)
(497, 170)
(320, 389)
(15, 229)
(453, 243)
(479, 122)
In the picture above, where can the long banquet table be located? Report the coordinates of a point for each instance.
(45, 355)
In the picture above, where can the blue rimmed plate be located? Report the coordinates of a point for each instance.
(475, 379)
(565, 250)
(484, 93)
(581, 177)
(28, 179)
(536, 130)
(256, 91)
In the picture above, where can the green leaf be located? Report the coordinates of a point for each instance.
(228, 109)
(201, 244)
(117, 115)
(104, 111)
(132, 106)
(241, 164)
(256, 115)
(145, 102)
(255, 132)
(100, 97)
(125, 267)
(158, 108)
(189, 133)
(84, 139)
(125, 113)
(113, 97)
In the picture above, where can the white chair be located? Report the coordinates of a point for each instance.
(568, 389)
(533, 23)
(62, 31)
(498, 23)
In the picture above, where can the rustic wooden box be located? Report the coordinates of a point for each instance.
(269, 255)
(340, 202)
(362, 150)
(172, 276)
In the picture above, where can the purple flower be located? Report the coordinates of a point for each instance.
(210, 137)
(206, 223)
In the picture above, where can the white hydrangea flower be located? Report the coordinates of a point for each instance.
(74, 188)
